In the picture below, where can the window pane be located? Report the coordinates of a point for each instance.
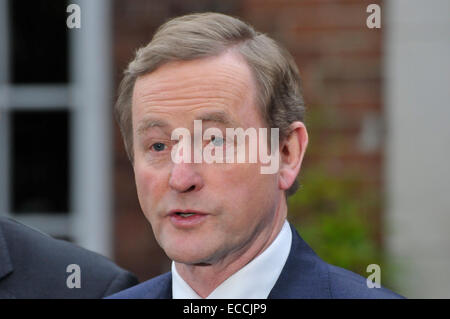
(38, 41)
(39, 162)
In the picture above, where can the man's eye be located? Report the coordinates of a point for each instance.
(217, 141)
(158, 147)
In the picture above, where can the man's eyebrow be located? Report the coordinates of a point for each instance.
(219, 117)
(148, 123)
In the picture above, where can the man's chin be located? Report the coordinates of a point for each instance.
(189, 258)
(200, 264)
(189, 248)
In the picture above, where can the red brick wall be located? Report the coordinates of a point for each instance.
(340, 63)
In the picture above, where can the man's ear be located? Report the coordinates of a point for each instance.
(292, 151)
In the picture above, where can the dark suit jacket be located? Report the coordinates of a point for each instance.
(304, 275)
(33, 265)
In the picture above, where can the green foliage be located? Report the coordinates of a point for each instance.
(332, 213)
(337, 209)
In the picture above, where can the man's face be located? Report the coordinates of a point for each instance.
(234, 202)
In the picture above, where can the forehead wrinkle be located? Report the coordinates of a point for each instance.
(218, 117)
(223, 81)
(213, 89)
(187, 101)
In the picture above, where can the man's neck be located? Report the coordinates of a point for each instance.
(203, 279)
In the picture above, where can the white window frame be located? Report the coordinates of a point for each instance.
(87, 97)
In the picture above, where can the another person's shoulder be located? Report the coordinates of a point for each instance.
(39, 264)
(346, 284)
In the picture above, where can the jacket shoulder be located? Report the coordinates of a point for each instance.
(345, 284)
(159, 287)
(40, 266)
(306, 275)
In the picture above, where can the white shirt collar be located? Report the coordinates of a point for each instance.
(254, 281)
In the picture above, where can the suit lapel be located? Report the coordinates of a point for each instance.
(304, 275)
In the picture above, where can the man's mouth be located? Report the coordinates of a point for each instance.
(185, 214)
(186, 218)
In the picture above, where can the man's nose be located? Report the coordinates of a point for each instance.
(184, 178)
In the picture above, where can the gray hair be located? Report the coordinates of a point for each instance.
(209, 34)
